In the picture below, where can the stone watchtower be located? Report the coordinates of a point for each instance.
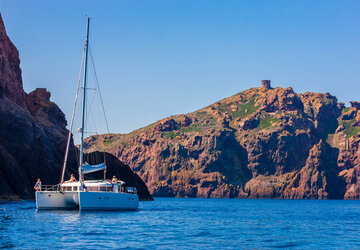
(266, 84)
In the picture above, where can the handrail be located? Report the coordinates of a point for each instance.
(50, 187)
(129, 190)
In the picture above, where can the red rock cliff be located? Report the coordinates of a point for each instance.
(33, 129)
(10, 73)
(263, 142)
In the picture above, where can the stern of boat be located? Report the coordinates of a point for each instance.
(49, 200)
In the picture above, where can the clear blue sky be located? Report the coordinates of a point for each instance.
(160, 58)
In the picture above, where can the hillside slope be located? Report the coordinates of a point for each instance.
(263, 142)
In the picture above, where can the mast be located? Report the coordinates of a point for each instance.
(84, 99)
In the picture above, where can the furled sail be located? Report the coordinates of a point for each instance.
(87, 168)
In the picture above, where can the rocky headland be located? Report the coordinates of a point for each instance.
(33, 134)
(261, 143)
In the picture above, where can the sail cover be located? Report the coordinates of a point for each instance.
(87, 168)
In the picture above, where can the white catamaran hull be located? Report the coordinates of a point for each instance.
(108, 201)
(48, 200)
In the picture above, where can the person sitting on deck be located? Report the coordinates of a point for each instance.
(37, 186)
(72, 178)
(114, 179)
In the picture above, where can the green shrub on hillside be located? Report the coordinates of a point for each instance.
(267, 122)
(169, 135)
(200, 114)
(190, 128)
(245, 109)
(108, 142)
(350, 130)
(221, 108)
(347, 109)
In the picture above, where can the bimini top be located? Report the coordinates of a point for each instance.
(87, 168)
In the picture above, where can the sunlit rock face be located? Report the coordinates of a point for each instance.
(11, 85)
(267, 142)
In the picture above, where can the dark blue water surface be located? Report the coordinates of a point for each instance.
(187, 223)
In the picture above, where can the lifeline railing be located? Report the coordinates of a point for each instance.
(131, 190)
(50, 187)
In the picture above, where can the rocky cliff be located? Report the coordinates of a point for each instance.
(263, 142)
(33, 129)
(33, 134)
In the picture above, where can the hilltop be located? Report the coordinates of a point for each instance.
(263, 142)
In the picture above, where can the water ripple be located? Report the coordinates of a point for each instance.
(170, 223)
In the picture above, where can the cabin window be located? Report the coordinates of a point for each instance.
(67, 188)
(75, 188)
(102, 189)
(109, 189)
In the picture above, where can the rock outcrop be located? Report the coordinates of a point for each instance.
(33, 134)
(33, 129)
(10, 73)
(263, 142)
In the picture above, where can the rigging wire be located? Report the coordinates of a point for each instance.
(72, 119)
(101, 100)
(90, 115)
(98, 86)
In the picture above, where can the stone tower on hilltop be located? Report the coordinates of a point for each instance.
(266, 84)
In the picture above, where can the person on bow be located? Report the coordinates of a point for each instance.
(37, 186)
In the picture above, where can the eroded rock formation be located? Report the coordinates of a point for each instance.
(263, 142)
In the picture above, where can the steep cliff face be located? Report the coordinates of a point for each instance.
(263, 142)
(33, 129)
(10, 72)
(28, 148)
(33, 134)
(346, 140)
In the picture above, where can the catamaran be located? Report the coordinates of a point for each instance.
(86, 194)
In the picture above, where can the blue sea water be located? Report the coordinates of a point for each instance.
(170, 223)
